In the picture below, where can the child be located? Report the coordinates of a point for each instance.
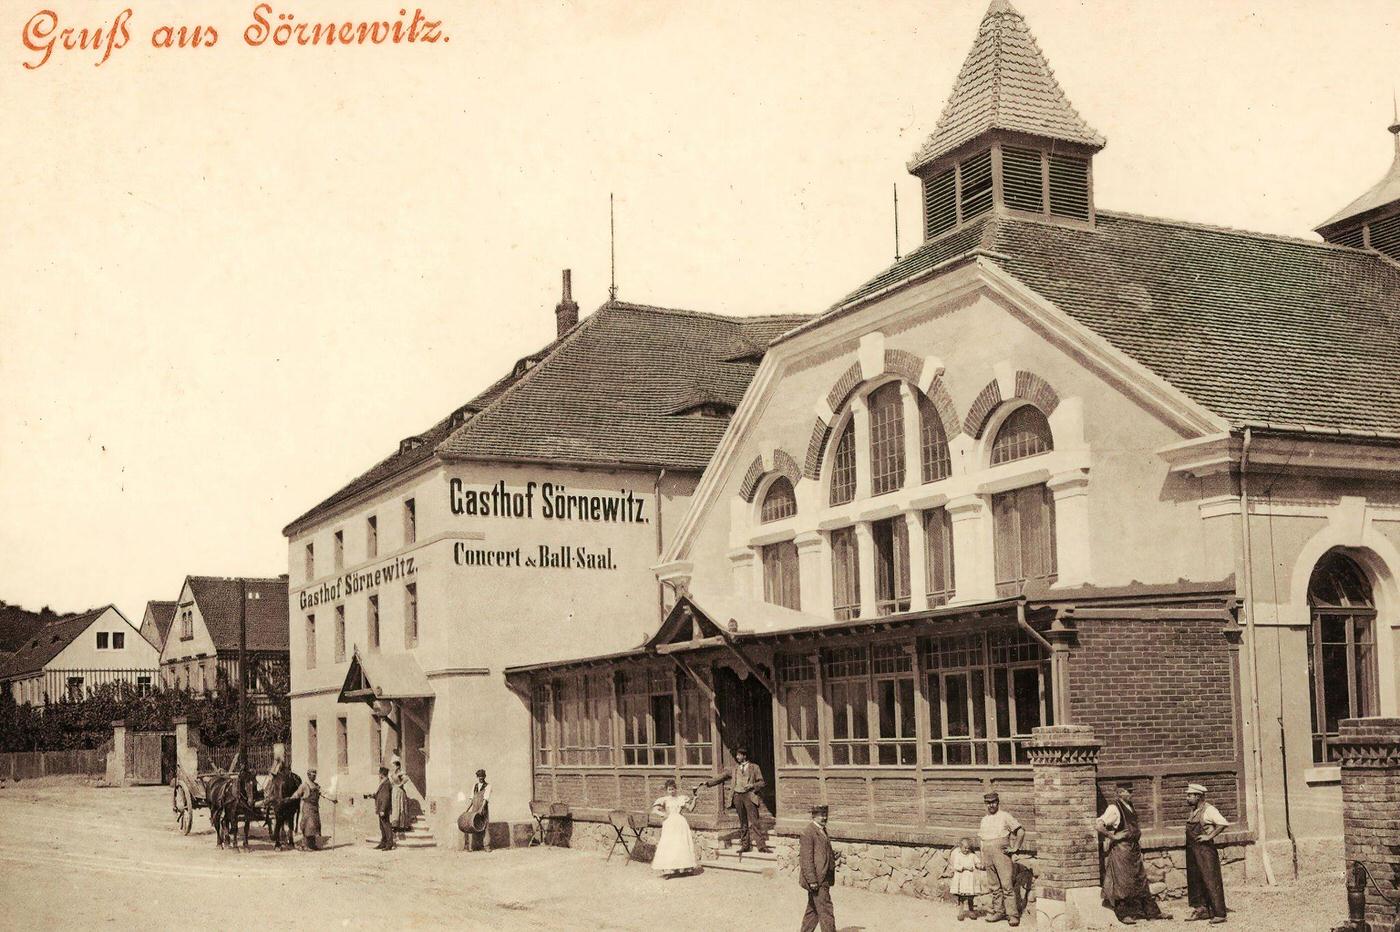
(963, 867)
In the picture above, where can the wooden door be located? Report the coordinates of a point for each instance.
(746, 720)
(145, 766)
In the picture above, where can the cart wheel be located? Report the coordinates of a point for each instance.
(184, 811)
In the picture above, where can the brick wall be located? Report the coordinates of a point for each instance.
(1370, 750)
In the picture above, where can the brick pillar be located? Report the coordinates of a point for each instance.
(117, 757)
(1370, 751)
(1065, 758)
(187, 745)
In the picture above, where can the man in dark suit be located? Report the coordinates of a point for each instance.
(817, 872)
(383, 805)
(745, 780)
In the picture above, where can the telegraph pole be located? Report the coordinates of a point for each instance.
(243, 670)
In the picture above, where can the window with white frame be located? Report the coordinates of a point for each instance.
(648, 718)
(102, 640)
(843, 466)
(781, 575)
(891, 540)
(938, 555)
(797, 694)
(1342, 668)
(937, 462)
(846, 676)
(845, 574)
(965, 675)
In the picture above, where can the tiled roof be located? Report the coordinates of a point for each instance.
(163, 615)
(1256, 328)
(1383, 192)
(266, 615)
(1005, 83)
(604, 393)
(48, 642)
(17, 625)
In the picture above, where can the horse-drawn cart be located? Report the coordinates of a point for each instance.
(190, 792)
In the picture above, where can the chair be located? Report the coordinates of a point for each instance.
(559, 817)
(622, 822)
(540, 812)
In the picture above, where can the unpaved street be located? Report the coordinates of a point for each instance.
(78, 857)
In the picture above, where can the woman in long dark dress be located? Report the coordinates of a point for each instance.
(1205, 888)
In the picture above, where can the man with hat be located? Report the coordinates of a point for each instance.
(383, 805)
(1205, 888)
(1125, 889)
(999, 837)
(817, 872)
(745, 779)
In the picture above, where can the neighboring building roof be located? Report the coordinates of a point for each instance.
(48, 642)
(17, 625)
(162, 615)
(610, 393)
(1005, 83)
(1382, 193)
(266, 615)
(1256, 328)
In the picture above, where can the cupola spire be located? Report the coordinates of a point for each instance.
(1372, 221)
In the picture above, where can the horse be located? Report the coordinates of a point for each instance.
(281, 806)
(230, 797)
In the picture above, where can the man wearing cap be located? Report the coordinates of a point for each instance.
(1000, 837)
(1205, 888)
(817, 872)
(745, 779)
(1125, 889)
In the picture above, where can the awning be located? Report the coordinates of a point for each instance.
(384, 676)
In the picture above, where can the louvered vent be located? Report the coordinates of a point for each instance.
(1020, 179)
(1352, 238)
(1385, 236)
(976, 185)
(1069, 187)
(940, 204)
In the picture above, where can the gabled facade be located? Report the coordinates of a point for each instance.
(201, 650)
(67, 658)
(156, 622)
(1058, 465)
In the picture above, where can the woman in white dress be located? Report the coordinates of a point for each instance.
(675, 850)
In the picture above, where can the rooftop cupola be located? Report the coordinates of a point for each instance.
(1372, 221)
(1009, 140)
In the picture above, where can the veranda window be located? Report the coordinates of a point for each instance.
(696, 742)
(781, 577)
(938, 550)
(648, 718)
(966, 675)
(891, 537)
(598, 719)
(886, 439)
(845, 574)
(846, 672)
(542, 709)
(1023, 530)
(797, 693)
(1341, 650)
(892, 665)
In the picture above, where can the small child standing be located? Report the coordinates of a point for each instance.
(964, 866)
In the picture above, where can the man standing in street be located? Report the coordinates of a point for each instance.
(1125, 889)
(383, 806)
(1205, 888)
(1000, 837)
(817, 872)
(745, 780)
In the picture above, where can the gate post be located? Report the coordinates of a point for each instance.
(186, 750)
(117, 756)
(1370, 751)
(1066, 762)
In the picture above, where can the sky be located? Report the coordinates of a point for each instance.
(233, 277)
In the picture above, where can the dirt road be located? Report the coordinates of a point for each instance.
(81, 857)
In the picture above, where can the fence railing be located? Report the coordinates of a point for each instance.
(30, 765)
(259, 758)
(79, 683)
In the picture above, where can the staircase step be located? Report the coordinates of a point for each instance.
(762, 868)
(770, 857)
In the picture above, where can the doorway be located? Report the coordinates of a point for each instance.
(746, 720)
(415, 720)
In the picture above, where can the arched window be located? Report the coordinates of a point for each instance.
(780, 502)
(1025, 433)
(1341, 649)
(937, 463)
(843, 467)
(886, 439)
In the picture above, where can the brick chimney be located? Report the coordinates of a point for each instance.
(566, 311)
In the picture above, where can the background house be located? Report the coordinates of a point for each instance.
(155, 624)
(68, 656)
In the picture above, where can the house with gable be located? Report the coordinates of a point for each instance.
(1057, 465)
(201, 649)
(156, 622)
(65, 658)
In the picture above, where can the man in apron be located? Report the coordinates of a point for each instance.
(1125, 889)
(1205, 888)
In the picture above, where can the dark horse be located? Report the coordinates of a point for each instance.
(281, 806)
(231, 797)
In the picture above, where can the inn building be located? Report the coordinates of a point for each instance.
(524, 525)
(1059, 465)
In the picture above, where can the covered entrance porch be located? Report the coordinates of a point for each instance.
(401, 702)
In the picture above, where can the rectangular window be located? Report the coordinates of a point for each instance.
(311, 745)
(102, 640)
(118, 640)
(938, 549)
(410, 615)
(338, 553)
(542, 709)
(797, 691)
(410, 521)
(310, 642)
(1024, 535)
(845, 574)
(648, 719)
(371, 537)
(339, 633)
(342, 745)
(372, 623)
(598, 719)
(310, 560)
(986, 692)
(376, 742)
(568, 713)
(891, 537)
(695, 725)
(1342, 646)
(187, 625)
(886, 406)
(781, 584)
(143, 685)
(846, 673)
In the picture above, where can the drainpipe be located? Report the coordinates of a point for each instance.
(1250, 636)
(660, 586)
(1026, 626)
